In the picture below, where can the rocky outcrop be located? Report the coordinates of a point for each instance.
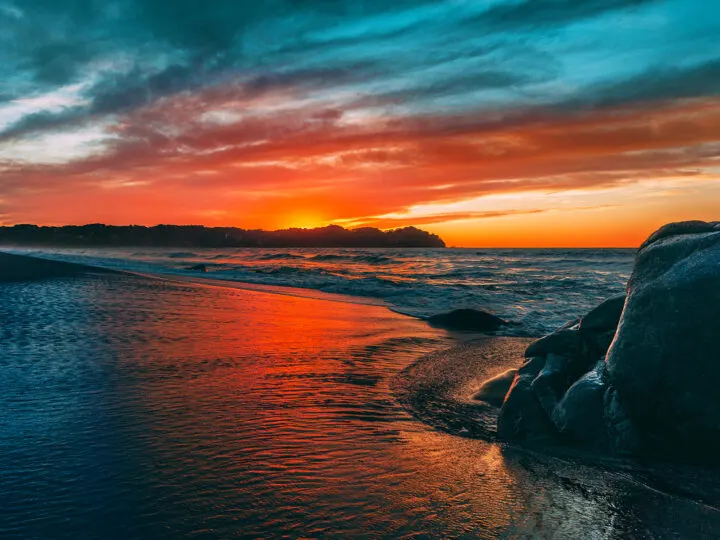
(665, 359)
(467, 320)
(559, 392)
(639, 374)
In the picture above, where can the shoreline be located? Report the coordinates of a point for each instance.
(37, 267)
(15, 267)
(419, 286)
(282, 290)
(437, 390)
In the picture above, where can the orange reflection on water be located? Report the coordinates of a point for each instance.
(241, 412)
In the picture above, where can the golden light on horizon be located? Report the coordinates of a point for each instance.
(302, 220)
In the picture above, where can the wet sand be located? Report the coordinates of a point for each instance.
(147, 408)
(438, 388)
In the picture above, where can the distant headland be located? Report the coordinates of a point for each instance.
(200, 236)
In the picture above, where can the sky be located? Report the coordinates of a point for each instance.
(490, 122)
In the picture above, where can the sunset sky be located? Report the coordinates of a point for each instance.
(489, 122)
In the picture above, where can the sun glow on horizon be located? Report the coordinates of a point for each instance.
(302, 220)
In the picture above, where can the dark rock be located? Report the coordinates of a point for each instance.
(604, 317)
(494, 390)
(622, 435)
(521, 417)
(598, 343)
(665, 359)
(680, 228)
(570, 325)
(198, 268)
(469, 320)
(532, 366)
(564, 342)
(552, 382)
(580, 415)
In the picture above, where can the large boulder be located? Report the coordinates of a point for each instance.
(665, 359)
(679, 228)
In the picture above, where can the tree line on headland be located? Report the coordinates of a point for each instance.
(200, 236)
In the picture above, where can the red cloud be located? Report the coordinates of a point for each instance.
(277, 153)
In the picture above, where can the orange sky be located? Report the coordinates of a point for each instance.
(590, 125)
(600, 178)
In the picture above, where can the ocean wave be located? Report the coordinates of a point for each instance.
(289, 270)
(371, 259)
(279, 257)
(540, 289)
(327, 257)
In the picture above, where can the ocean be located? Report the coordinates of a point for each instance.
(540, 289)
(140, 408)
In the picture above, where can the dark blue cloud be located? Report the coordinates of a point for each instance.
(411, 57)
(529, 13)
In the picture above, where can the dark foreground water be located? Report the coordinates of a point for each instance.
(134, 408)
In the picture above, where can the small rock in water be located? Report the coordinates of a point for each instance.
(468, 320)
(199, 268)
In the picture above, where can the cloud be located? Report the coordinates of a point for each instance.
(529, 13)
(661, 83)
(334, 103)
(58, 148)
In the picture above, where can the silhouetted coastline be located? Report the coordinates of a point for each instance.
(209, 237)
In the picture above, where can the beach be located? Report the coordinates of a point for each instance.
(138, 407)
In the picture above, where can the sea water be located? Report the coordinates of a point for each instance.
(137, 408)
(540, 289)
